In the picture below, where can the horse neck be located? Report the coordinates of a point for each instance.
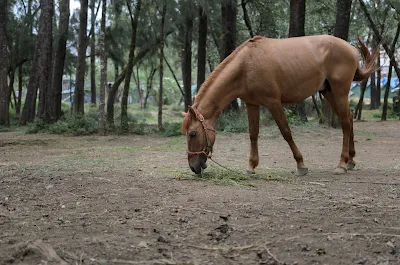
(220, 93)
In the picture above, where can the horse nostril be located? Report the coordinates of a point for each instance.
(192, 168)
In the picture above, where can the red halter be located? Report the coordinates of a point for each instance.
(209, 148)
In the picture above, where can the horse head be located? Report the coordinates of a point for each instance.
(200, 139)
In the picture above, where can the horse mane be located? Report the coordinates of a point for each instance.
(214, 74)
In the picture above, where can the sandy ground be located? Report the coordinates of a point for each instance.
(122, 200)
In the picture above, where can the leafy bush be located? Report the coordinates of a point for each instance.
(172, 129)
(234, 122)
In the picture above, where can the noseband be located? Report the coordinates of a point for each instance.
(209, 148)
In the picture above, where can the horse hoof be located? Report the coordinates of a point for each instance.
(351, 165)
(250, 172)
(302, 171)
(340, 171)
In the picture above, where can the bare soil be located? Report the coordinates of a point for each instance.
(120, 200)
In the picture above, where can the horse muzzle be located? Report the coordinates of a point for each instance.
(197, 163)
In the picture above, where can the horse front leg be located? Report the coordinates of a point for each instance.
(278, 113)
(253, 114)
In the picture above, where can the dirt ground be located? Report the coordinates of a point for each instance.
(120, 200)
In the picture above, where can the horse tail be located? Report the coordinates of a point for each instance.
(369, 66)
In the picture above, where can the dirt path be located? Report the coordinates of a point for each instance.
(118, 200)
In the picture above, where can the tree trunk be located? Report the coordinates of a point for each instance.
(359, 108)
(129, 67)
(4, 89)
(174, 75)
(46, 108)
(373, 91)
(378, 83)
(149, 85)
(392, 48)
(385, 99)
(229, 18)
(92, 53)
(59, 56)
(343, 9)
(79, 96)
(18, 107)
(160, 95)
(29, 109)
(202, 47)
(103, 69)
(246, 18)
(297, 18)
(296, 29)
(187, 62)
(139, 89)
(11, 88)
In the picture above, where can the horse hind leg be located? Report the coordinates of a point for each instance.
(253, 114)
(278, 113)
(340, 106)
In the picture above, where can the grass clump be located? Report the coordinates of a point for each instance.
(221, 176)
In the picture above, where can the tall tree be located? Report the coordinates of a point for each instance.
(129, 66)
(79, 97)
(162, 40)
(229, 19)
(387, 89)
(103, 69)
(186, 9)
(296, 29)
(202, 46)
(59, 56)
(46, 109)
(92, 53)
(4, 90)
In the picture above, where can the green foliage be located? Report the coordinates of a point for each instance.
(234, 122)
(71, 125)
(172, 129)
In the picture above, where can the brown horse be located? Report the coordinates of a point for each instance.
(270, 72)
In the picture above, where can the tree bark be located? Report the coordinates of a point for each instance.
(92, 53)
(246, 18)
(297, 18)
(18, 108)
(103, 69)
(59, 56)
(385, 99)
(4, 89)
(79, 96)
(296, 29)
(160, 95)
(359, 108)
(149, 85)
(229, 18)
(129, 67)
(202, 47)
(46, 108)
(343, 9)
(187, 61)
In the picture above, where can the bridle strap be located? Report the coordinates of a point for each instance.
(207, 151)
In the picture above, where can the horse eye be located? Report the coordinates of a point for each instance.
(192, 134)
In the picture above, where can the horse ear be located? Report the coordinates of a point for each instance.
(184, 114)
(191, 111)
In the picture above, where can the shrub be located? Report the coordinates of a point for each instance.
(233, 121)
(172, 129)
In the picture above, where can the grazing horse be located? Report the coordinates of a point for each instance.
(270, 72)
